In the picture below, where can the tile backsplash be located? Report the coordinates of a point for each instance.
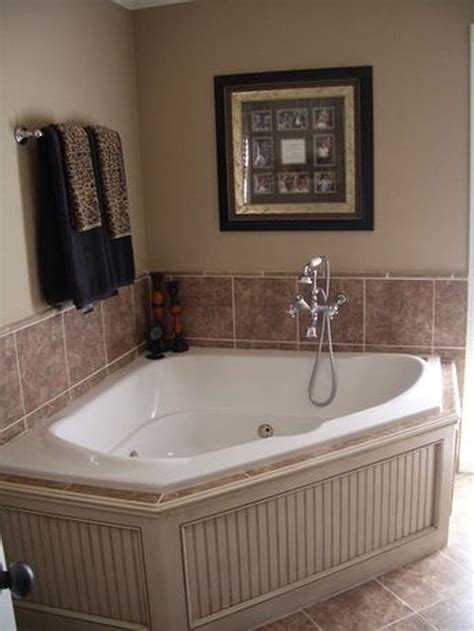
(50, 359)
(383, 310)
(385, 313)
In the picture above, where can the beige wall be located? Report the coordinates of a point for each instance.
(60, 60)
(75, 60)
(419, 51)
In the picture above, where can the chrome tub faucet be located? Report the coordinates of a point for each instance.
(319, 303)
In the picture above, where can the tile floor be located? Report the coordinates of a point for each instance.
(436, 592)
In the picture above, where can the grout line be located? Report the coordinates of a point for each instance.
(433, 317)
(234, 323)
(8, 427)
(340, 344)
(228, 339)
(51, 312)
(428, 622)
(207, 275)
(420, 349)
(310, 617)
(261, 275)
(398, 620)
(349, 344)
(150, 300)
(433, 604)
(389, 624)
(412, 609)
(364, 314)
(46, 403)
(68, 374)
(464, 567)
(210, 339)
(286, 342)
(92, 374)
(444, 554)
(450, 348)
(120, 357)
(335, 275)
(21, 422)
(17, 358)
(104, 338)
(297, 320)
(134, 310)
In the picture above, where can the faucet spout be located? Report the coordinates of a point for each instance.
(299, 304)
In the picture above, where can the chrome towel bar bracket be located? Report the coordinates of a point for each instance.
(22, 134)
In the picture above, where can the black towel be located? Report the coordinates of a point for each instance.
(77, 266)
(121, 247)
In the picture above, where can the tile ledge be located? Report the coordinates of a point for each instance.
(375, 274)
(242, 479)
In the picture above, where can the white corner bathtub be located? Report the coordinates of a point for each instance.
(170, 423)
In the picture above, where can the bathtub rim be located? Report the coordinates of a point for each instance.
(118, 497)
(135, 477)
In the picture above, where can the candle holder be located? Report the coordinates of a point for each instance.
(178, 343)
(156, 342)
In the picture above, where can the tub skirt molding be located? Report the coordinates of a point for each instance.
(235, 560)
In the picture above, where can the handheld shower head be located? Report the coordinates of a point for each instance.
(313, 265)
(316, 261)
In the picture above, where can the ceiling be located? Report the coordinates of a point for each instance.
(143, 4)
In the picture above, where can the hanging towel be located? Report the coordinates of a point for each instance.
(107, 159)
(74, 265)
(108, 147)
(80, 178)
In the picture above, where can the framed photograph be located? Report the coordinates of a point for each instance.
(295, 150)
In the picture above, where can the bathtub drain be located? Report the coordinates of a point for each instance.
(133, 453)
(265, 430)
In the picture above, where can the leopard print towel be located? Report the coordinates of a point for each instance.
(114, 184)
(80, 178)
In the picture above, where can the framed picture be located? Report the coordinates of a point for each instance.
(295, 150)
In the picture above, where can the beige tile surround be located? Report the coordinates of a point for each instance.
(49, 360)
(385, 313)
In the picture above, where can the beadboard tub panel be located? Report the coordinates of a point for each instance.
(80, 566)
(239, 557)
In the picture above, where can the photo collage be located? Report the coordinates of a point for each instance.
(293, 151)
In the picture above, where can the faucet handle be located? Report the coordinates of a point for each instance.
(341, 299)
(334, 308)
(292, 310)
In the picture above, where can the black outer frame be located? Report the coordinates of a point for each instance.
(366, 180)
